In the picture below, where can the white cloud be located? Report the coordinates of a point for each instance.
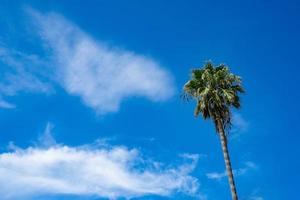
(98, 170)
(249, 165)
(240, 125)
(46, 139)
(255, 195)
(6, 105)
(101, 75)
(216, 175)
(22, 73)
(106, 172)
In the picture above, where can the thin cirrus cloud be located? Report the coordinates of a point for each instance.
(101, 75)
(249, 165)
(6, 105)
(21, 73)
(100, 171)
(240, 124)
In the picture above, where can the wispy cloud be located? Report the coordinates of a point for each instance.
(255, 195)
(22, 73)
(240, 125)
(99, 171)
(237, 172)
(216, 175)
(6, 105)
(46, 139)
(101, 75)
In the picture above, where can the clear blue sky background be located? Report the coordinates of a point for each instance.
(259, 40)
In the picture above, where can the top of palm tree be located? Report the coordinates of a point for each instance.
(215, 90)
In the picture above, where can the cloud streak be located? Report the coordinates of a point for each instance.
(240, 124)
(22, 73)
(6, 105)
(237, 172)
(101, 75)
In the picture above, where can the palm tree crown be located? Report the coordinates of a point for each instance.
(215, 90)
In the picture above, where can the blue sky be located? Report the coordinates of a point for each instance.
(90, 102)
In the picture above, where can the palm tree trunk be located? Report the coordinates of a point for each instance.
(227, 161)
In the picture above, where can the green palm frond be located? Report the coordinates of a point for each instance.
(215, 90)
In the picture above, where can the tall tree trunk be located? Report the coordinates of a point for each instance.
(227, 161)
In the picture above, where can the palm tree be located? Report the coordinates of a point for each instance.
(216, 91)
